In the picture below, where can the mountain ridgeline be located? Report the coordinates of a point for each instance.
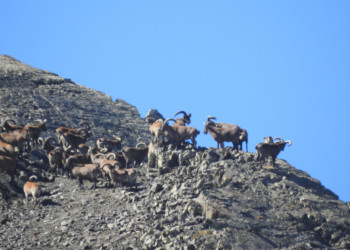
(201, 198)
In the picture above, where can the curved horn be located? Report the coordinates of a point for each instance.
(39, 121)
(278, 138)
(60, 149)
(166, 121)
(141, 143)
(111, 154)
(7, 120)
(268, 139)
(117, 137)
(181, 112)
(98, 156)
(209, 118)
(87, 125)
(289, 143)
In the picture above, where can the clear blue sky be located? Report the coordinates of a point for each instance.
(279, 68)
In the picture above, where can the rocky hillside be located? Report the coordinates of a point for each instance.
(28, 94)
(193, 199)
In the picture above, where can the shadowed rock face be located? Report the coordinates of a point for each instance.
(195, 199)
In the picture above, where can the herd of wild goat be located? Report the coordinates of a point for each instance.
(69, 154)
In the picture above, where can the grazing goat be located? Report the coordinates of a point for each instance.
(270, 149)
(186, 119)
(86, 172)
(179, 134)
(134, 154)
(31, 187)
(8, 165)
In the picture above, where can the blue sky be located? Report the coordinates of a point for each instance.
(279, 68)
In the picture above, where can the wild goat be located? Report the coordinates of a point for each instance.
(268, 139)
(156, 131)
(48, 144)
(31, 187)
(270, 149)
(86, 172)
(240, 136)
(61, 130)
(186, 119)
(56, 160)
(8, 165)
(103, 161)
(7, 149)
(10, 125)
(18, 138)
(134, 154)
(179, 134)
(243, 137)
(69, 139)
(109, 144)
(222, 132)
(71, 161)
(123, 176)
(35, 130)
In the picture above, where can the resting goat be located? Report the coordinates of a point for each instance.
(270, 149)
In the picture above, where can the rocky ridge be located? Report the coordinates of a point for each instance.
(186, 199)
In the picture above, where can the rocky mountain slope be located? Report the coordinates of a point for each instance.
(193, 199)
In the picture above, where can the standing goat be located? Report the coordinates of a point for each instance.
(222, 132)
(135, 154)
(179, 134)
(186, 119)
(31, 187)
(270, 149)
